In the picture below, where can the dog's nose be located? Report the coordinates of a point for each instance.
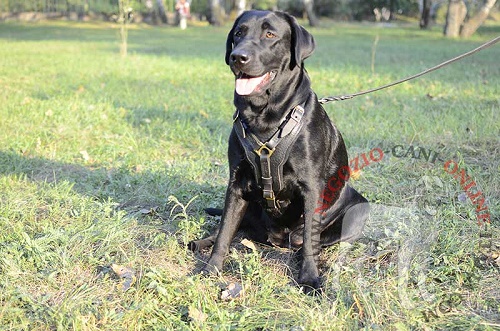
(240, 57)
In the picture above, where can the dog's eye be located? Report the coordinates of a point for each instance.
(270, 35)
(238, 33)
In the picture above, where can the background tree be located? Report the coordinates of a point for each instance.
(425, 15)
(457, 23)
(125, 15)
(240, 6)
(311, 15)
(454, 18)
(216, 12)
(463, 17)
(161, 11)
(471, 26)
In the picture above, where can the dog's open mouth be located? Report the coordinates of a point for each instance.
(247, 85)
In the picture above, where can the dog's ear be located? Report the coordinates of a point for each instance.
(302, 43)
(229, 41)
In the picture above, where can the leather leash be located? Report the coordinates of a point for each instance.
(439, 66)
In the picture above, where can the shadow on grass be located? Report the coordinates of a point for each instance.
(132, 190)
(192, 43)
(54, 31)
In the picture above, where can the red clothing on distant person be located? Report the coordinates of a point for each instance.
(182, 6)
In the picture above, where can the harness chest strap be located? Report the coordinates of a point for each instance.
(267, 158)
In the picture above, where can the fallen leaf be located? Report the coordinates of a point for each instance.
(248, 244)
(232, 291)
(148, 211)
(127, 275)
(85, 155)
(197, 315)
(203, 114)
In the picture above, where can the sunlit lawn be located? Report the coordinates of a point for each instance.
(108, 160)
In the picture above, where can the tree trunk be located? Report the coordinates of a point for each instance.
(426, 13)
(477, 20)
(311, 16)
(215, 12)
(161, 11)
(68, 8)
(240, 6)
(392, 9)
(454, 18)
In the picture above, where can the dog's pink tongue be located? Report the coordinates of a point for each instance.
(245, 86)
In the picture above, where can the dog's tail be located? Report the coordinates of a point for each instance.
(213, 211)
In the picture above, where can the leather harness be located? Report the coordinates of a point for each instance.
(267, 158)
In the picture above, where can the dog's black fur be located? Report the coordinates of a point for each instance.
(310, 215)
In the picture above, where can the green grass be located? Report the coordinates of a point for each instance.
(92, 146)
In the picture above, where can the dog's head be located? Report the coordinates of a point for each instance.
(263, 44)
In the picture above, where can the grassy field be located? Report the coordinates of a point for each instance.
(105, 160)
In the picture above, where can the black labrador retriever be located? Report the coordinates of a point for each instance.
(288, 162)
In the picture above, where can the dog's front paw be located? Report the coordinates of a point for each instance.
(311, 285)
(212, 268)
(309, 280)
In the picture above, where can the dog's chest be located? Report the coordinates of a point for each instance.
(267, 158)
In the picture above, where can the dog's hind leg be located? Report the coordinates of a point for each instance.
(348, 226)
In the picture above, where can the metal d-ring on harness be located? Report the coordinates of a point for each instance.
(267, 158)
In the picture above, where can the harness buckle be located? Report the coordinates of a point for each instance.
(270, 198)
(268, 194)
(265, 147)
